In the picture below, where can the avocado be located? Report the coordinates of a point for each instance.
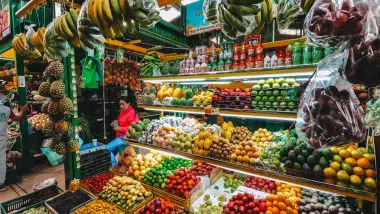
(283, 151)
(284, 159)
(289, 164)
(317, 170)
(311, 160)
(323, 162)
(300, 159)
(291, 146)
(317, 154)
(297, 166)
(309, 148)
(306, 167)
(292, 155)
(326, 152)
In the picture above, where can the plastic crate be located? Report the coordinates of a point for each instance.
(94, 161)
(30, 200)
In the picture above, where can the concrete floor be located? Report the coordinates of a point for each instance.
(40, 172)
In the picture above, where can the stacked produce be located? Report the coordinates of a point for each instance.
(159, 205)
(170, 67)
(42, 122)
(262, 136)
(142, 164)
(330, 117)
(231, 182)
(245, 203)
(221, 149)
(150, 65)
(261, 184)
(289, 191)
(281, 204)
(135, 131)
(245, 152)
(320, 202)
(97, 206)
(124, 161)
(177, 96)
(275, 94)
(301, 156)
(181, 182)
(37, 39)
(232, 98)
(201, 169)
(351, 166)
(148, 96)
(97, 182)
(203, 99)
(227, 130)
(121, 73)
(208, 207)
(65, 202)
(240, 133)
(203, 142)
(55, 47)
(125, 192)
(66, 26)
(163, 137)
(184, 141)
(154, 125)
(158, 175)
(19, 44)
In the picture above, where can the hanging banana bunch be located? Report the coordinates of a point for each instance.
(37, 39)
(66, 27)
(55, 47)
(21, 47)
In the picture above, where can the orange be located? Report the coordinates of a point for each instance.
(364, 163)
(283, 212)
(270, 197)
(356, 180)
(281, 206)
(329, 172)
(370, 173)
(356, 154)
(350, 161)
(344, 153)
(275, 203)
(269, 204)
(289, 210)
(268, 212)
(358, 171)
(275, 210)
(288, 202)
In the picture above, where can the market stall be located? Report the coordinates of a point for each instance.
(264, 107)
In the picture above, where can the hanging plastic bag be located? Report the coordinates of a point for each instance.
(141, 13)
(287, 12)
(329, 112)
(89, 34)
(363, 63)
(210, 11)
(32, 51)
(332, 22)
(241, 17)
(55, 47)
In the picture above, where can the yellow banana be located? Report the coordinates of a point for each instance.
(107, 9)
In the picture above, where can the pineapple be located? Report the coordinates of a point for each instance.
(60, 147)
(55, 69)
(48, 128)
(53, 108)
(61, 127)
(65, 105)
(57, 90)
(44, 89)
(45, 106)
(73, 146)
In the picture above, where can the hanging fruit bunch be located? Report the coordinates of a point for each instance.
(21, 47)
(66, 26)
(58, 107)
(37, 39)
(55, 47)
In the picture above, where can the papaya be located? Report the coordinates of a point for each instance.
(177, 93)
(169, 92)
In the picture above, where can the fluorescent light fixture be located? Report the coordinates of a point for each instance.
(298, 74)
(175, 80)
(260, 117)
(206, 83)
(169, 13)
(186, 2)
(171, 110)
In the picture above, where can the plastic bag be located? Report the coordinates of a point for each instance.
(287, 12)
(54, 158)
(55, 47)
(329, 112)
(332, 22)
(363, 63)
(89, 34)
(210, 11)
(240, 17)
(32, 51)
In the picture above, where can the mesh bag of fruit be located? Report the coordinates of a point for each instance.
(332, 22)
(329, 112)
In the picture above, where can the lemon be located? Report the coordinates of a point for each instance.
(370, 182)
(355, 180)
(343, 176)
(337, 158)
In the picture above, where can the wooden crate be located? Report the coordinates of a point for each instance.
(195, 193)
(138, 211)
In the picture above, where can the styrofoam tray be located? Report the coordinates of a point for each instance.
(214, 194)
(256, 193)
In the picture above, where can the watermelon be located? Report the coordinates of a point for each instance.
(189, 94)
(175, 101)
(190, 102)
(182, 102)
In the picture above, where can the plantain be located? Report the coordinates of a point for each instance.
(107, 12)
(74, 15)
(243, 9)
(270, 10)
(91, 10)
(232, 20)
(72, 25)
(115, 8)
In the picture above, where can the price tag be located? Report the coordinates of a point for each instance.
(101, 52)
(211, 111)
(119, 54)
(21, 81)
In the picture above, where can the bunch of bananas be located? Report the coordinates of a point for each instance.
(306, 5)
(55, 47)
(118, 17)
(266, 16)
(21, 47)
(89, 34)
(66, 27)
(288, 11)
(37, 39)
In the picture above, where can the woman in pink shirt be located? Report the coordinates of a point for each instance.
(127, 116)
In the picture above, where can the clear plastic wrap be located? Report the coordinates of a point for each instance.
(55, 47)
(363, 63)
(210, 11)
(329, 112)
(145, 12)
(287, 12)
(239, 17)
(32, 52)
(89, 34)
(332, 22)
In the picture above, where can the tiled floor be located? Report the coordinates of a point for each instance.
(40, 172)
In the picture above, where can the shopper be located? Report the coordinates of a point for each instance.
(127, 117)
(6, 114)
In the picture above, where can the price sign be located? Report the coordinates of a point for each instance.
(119, 54)
(101, 51)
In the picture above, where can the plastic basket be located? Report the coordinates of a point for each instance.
(30, 200)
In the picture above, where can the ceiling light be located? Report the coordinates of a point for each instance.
(169, 13)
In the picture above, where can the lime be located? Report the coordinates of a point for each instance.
(337, 158)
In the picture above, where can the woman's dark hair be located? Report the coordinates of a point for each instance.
(130, 98)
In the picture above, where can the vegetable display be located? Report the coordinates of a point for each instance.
(181, 182)
(150, 65)
(97, 206)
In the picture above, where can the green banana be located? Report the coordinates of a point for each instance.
(71, 23)
(115, 8)
(74, 15)
(232, 20)
(243, 10)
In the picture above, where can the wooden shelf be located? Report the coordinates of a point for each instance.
(273, 175)
(238, 113)
(284, 71)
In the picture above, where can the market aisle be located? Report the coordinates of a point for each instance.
(39, 173)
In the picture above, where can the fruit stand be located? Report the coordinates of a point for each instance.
(240, 116)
